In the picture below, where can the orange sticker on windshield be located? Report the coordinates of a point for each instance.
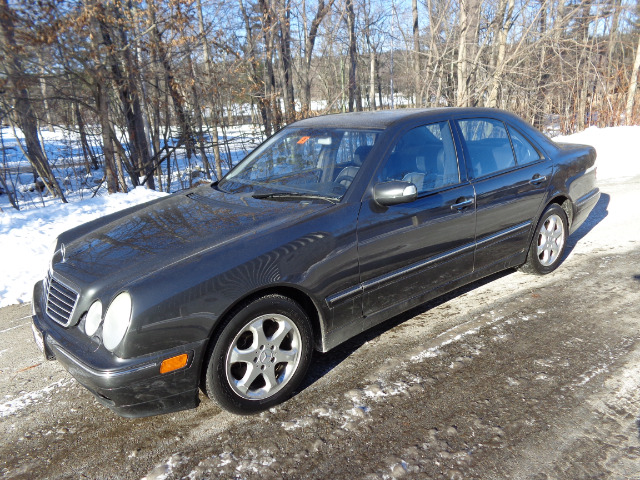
(303, 140)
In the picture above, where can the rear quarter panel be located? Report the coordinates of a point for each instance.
(575, 173)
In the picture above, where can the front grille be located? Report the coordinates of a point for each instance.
(61, 301)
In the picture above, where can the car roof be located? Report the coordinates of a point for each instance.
(381, 119)
(376, 119)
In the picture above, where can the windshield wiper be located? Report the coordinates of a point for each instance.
(310, 196)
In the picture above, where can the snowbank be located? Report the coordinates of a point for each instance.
(617, 147)
(26, 237)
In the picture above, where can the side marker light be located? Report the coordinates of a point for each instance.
(174, 363)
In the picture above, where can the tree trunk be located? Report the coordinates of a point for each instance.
(102, 101)
(86, 149)
(198, 117)
(309, 44)
(214, 110)
(581, 80)
(611, 78)
(379, 81)
(505, 22)
(353, 59)
(258, 80)
(372, 78)
(633, 84)
(416, 54)
(271, 89)
(45, 96)
(466, 46)
(284, 18)
(155, 115)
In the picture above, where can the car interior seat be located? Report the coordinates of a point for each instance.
(503, 157)
(347, 174)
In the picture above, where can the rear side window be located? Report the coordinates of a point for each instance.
(525, 152)
(488, 145)
(424, 156)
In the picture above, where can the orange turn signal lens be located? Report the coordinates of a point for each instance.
(174, 363)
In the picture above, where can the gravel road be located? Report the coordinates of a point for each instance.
(512, 377)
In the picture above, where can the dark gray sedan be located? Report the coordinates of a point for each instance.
(331, 226)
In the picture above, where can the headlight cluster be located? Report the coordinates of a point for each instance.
(94, 317)
(116, 320)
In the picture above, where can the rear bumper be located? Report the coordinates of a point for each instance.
(130, 387)
(583, 208)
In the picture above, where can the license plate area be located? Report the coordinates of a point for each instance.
(38, 338)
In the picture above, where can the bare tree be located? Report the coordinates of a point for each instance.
(22, 109)
(310, 36)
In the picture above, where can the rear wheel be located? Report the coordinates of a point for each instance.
(548, 242)
(260, 356)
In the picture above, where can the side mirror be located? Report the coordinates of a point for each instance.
(394, 193)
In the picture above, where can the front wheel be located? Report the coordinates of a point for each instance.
(260, 356)
(548, 242)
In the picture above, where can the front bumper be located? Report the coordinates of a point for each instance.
(130, 387)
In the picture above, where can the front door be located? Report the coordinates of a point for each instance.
(408, 250)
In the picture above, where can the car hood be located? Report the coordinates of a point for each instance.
(155, 235)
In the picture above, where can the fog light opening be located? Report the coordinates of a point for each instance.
(174, 363)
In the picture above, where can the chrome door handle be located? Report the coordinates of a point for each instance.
(463, 204)
(537, 180)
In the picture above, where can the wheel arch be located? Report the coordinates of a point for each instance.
(566, 204)
(299, 296)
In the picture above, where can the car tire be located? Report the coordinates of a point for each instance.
(548, 242)
(260, 355)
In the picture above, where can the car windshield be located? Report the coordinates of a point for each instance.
(317, 163)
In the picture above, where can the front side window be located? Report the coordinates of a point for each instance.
(314, 161)
(488, 145)
(424, 156)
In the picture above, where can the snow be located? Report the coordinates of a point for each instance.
(617, 147)
(26, 236)
(13, 405)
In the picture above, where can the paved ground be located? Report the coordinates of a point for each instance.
(513, 377)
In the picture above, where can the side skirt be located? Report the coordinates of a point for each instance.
(350, 330)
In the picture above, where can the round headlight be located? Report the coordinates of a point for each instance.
(116, 321)
(94, 317)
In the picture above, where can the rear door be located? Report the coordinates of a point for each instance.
(510, 177)
(408, 250)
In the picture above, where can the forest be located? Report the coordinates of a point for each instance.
(138, 82)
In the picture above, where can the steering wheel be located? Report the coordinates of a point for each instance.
(341, 184)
